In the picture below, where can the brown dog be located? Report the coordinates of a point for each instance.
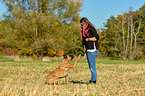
(62, 70)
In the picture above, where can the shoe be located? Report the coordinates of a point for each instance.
(92, 81)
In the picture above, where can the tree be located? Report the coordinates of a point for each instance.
(111, 41)
(121, 34)
(43, 24)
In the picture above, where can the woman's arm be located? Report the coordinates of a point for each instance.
(91, 39)
(94, 33)
(84, 52)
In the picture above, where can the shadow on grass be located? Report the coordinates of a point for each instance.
(74, 82)
(77, 82)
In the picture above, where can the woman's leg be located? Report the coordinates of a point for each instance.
(91, 57)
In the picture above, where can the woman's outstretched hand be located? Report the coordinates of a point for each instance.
(84, 56)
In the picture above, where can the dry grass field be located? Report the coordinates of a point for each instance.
(115, 77)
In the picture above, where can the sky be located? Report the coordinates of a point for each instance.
(98, 11)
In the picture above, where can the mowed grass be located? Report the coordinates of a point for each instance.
(115, 77)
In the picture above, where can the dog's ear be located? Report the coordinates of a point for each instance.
(65, 56)
(72, 56)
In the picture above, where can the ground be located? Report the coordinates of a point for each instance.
(115, 77)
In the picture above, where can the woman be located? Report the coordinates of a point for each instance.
(90, 41)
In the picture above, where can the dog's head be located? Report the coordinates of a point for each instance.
(68, 57)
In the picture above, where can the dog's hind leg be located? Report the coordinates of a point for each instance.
(55, 82)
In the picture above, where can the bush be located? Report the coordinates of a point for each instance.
(51, 52)
(2, 52)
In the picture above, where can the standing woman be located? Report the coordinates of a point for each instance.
(90, 39)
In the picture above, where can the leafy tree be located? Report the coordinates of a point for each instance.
(111, 41)
(141, 35)
(123, 36)
(42, 24)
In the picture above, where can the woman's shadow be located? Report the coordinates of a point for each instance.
(77, 82)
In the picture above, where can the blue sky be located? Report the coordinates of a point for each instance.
(98, 11)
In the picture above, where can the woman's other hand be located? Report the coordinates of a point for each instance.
(84, 56)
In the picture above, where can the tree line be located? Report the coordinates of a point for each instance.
(51, 27)
(123, 37)
(42, 27)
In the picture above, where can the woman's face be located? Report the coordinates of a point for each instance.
(85, 24)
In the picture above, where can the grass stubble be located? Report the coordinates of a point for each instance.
(27, 79)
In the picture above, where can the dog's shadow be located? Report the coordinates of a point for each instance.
(77, 82)
(74, 82)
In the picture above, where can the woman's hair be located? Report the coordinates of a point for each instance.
(84, 19)
(89, 23)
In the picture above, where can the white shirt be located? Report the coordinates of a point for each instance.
(92, 50)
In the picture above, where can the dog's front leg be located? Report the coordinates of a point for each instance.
(66, 79)
(76, 61)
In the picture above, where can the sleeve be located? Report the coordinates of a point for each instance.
(94, 33)
(83, 42)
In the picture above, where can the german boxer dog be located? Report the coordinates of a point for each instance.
(62, 70)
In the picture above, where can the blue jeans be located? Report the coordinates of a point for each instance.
(91, 57)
